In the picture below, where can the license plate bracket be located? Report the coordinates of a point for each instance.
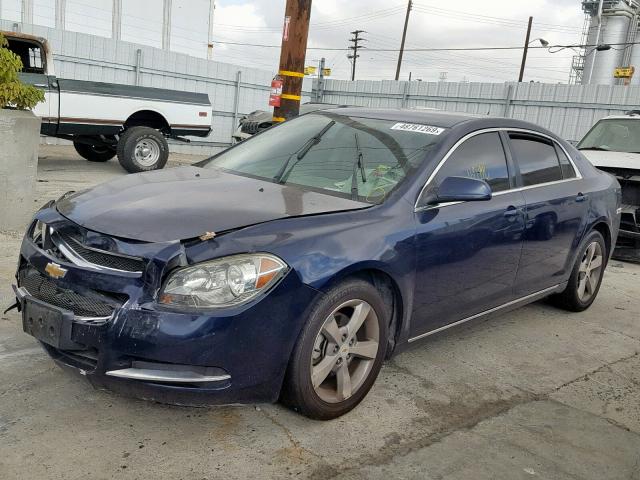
(48, 324)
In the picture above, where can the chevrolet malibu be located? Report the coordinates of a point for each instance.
(293, 264)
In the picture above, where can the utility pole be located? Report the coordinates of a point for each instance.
(526, 50)
(320, 89)
(404, 37)
(356, 45)
(292, 55)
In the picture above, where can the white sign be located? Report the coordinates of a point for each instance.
(416, 127)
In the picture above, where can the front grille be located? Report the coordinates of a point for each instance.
(102, 258)
(46, 290)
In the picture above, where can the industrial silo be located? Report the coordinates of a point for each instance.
(612, 28)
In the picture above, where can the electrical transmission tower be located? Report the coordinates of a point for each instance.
(355, 47)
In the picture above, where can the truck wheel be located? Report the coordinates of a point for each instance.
(142, 149)
(95, 153)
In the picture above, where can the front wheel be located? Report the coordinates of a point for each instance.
(95, 153)
(142, 149)
(586, 277)
(339, 353)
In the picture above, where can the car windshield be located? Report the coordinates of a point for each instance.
(352, 157)
(614, 135)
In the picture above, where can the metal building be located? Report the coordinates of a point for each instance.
(615, 23)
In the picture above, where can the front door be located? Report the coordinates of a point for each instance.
(468, 252)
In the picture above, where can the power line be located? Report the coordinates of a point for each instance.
(444, 49)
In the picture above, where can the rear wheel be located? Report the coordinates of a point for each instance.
(142, 149)
(586, 277)
(95, 153)
(339, 353)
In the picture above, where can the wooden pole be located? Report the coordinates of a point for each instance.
(404, 37)
(526, 50)
(292, 56)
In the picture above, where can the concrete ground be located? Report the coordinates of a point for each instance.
(535, 393)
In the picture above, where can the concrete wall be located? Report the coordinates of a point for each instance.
(18, 164)
(86, 57)
(567, 110)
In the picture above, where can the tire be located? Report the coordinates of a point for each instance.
(572, 299)
(328, 347)
(95, 153)
(142, 149)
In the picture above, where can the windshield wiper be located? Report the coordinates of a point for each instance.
(280, 177)
(358, 163)
(598, 149)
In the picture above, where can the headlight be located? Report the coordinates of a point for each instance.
(223, 282)
(37, 232)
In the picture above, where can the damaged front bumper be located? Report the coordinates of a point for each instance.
(628, 244)
(107, 326)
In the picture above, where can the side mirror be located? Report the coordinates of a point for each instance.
(457, 189)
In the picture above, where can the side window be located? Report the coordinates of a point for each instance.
(567, 169)
(35, 59)
(480, 157)
(537, 159)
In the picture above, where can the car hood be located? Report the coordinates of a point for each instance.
(624, 160)
(186, 202)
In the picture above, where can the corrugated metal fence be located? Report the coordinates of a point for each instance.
(568, 110)
(233, 90)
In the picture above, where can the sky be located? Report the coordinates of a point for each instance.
(432, 24)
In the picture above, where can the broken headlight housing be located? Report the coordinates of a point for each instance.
(223, 282)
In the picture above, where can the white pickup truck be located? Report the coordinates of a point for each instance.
(106, 119)
(613, 145)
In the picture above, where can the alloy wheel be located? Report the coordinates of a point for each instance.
(344, 351)
(589, 272)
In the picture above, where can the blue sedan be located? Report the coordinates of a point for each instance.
(293, 264)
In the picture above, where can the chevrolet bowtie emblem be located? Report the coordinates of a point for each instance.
(55, 271)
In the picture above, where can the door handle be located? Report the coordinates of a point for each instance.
(581, 197)
(41, 85)
(512, 212)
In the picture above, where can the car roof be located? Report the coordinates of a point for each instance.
(425, 117)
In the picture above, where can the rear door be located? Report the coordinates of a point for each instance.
(555, 211)
(468, 252)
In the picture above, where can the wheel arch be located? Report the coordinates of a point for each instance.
(147, 118)
(603, 227)
(390, 290)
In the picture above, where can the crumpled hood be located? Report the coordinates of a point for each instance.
(181, 203)
(613, 159)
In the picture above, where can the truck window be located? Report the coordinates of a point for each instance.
(30, 53)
